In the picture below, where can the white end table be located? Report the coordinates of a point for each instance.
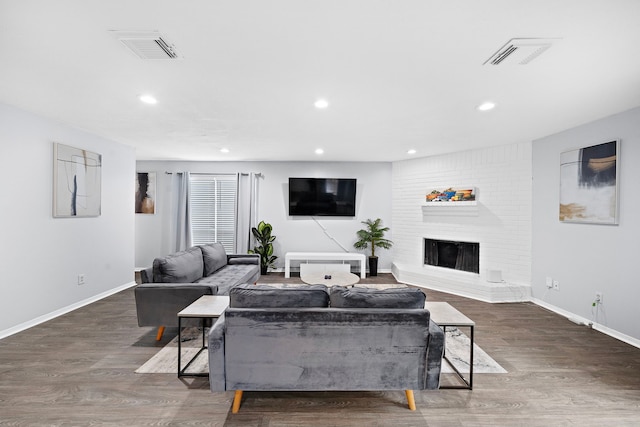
(205, 307)
(445, 315)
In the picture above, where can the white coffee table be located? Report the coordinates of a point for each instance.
(333, 278)
(205, 307)
(445, 315)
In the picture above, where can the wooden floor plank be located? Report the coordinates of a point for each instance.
(78, 369)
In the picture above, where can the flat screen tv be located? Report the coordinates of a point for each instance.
(322, 196)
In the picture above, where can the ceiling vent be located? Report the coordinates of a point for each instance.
(147, 44)
(520, 51)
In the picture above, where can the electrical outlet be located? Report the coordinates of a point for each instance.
(556, 285)
(598, 297)
(81, 279)
(549, 283)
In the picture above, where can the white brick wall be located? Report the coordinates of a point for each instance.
(502, 224)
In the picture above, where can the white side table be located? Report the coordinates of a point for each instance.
(205, 307)
(445, 315)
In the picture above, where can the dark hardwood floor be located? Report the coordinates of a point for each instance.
(78, 370)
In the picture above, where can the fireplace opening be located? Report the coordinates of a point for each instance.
(463, 256)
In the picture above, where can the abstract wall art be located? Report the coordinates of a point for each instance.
(77, 182)
(589, 181)
(145, 192)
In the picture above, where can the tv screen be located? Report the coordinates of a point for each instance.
(322, 196)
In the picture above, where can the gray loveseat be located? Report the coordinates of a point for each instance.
(178, 279)
(311, 338)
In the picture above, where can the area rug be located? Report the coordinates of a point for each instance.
(165, 361)
(457, 348)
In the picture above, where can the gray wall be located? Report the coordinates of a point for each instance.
(41, 255)
(588, 258)
(294, 234)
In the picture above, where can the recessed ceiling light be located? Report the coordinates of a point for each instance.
(224, 150)
(319, 151)
(412, 151)
(148, 99)
(321, 104)
(486, 106)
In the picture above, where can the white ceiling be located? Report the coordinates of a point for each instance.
(398, 74)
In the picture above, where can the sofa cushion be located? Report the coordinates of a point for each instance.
(180, 267)
(265, 296)
(214, 257)
(232, 275)
(342, 297)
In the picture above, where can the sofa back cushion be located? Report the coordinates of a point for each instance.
(214, 257)
(325, 349)
(342, 297)
(266, 296)
(180, 267)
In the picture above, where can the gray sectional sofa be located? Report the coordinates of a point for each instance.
(176, 280)
(310, 338)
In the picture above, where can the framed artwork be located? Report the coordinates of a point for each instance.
(589, 181)
(77, 182)
(145, 192)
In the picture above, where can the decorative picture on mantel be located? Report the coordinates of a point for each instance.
(77, 182)
(145, 192)
(589, 184)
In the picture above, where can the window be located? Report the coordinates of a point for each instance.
(212, 204)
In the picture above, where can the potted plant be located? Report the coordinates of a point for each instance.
(373, 235)
(264, 245)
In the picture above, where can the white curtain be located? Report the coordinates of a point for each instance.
(180, 223)
(247, 204)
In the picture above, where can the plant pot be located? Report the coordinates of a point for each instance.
(373, 266)
(263, 269)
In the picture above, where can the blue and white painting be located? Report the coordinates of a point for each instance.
(589, 184)
(77, 182)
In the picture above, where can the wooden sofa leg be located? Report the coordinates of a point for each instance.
(160, 332)
(236, 402)
(410, 400)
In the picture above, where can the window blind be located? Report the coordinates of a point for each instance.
(212, 203)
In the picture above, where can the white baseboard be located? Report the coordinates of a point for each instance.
(589, 323)
(41, 319)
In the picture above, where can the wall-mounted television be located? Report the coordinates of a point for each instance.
(322, 196)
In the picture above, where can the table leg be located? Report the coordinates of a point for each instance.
(203, 347)
(468, 383)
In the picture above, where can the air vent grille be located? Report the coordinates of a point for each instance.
(520, 51)
(147, 45)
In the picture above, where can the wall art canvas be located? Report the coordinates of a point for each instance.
(589, 184)
(77, 182)
(145, 192)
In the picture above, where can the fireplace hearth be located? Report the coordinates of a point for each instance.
(456, 255)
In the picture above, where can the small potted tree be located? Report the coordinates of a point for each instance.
(264, 245)
(373, 235)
